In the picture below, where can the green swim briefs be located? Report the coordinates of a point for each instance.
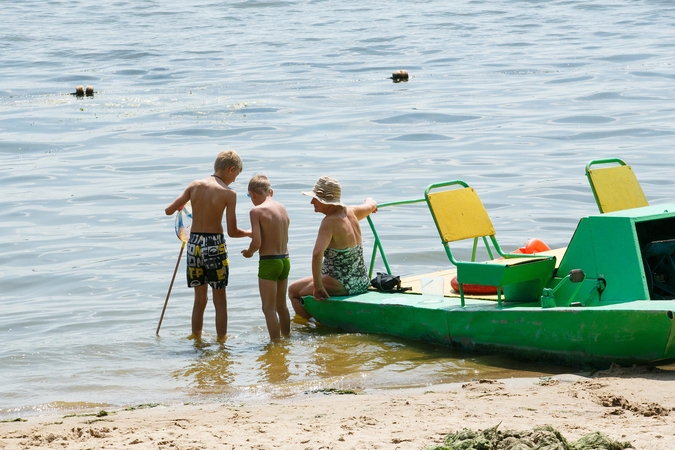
(274, 267)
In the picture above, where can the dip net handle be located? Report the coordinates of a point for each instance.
(170, 286)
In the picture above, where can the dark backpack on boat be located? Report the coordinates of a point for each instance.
(387, 283)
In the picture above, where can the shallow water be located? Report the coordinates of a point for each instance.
(512, 97)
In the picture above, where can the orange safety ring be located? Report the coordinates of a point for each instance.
(473, 289)
(534, 245)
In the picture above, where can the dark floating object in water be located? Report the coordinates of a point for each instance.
(81, 91)
(399, 75)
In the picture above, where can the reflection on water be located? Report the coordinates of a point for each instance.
(322, 357)
(349, 354)
(329, 358)
(212, 369)
(273, 362)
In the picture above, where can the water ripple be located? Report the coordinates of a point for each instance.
(424, 118)
(300, 90)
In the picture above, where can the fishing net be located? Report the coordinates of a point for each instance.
(184, 222)
(182, 225)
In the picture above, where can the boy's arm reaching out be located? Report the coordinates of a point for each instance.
(179, 202)
(256, 237)
(231, 219)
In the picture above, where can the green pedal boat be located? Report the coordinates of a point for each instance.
(608, 297)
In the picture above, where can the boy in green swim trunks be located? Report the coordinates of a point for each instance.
(207, 263)
(269, 227)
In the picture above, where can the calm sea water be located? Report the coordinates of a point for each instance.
(514, 97)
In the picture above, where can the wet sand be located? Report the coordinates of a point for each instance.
(627, 404)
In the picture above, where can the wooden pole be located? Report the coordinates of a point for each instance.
(170, 286)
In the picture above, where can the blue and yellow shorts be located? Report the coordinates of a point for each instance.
(207, 260)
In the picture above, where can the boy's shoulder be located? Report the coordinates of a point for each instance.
(209, 188)
(274, 202)
(269, 205)
(201, 182)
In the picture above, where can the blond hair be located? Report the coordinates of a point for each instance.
(259, 184)
(228, 158)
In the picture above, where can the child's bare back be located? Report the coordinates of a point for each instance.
(209, 200)
(274, 222)
(269, 223)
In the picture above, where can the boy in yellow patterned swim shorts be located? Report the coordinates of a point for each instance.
(207, 263)
(269, 227)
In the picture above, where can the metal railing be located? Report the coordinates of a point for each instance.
(377, 246)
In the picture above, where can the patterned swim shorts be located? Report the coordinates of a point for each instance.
(207, 260)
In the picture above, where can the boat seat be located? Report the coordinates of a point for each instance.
(460, 215)
(616, 187)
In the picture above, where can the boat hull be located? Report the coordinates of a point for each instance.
(637, 332)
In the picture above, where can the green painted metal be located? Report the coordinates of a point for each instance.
(613, 312)
(606, 247)
(609, 248)
(630, 333)
(377, 246)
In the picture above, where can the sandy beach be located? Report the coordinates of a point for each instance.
(627, 404)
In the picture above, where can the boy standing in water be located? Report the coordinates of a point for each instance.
(207, 262)
(269, 226)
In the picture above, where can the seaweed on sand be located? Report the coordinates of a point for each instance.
(540, 438)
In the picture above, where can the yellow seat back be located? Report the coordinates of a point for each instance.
(460, 214)
(616, 188)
